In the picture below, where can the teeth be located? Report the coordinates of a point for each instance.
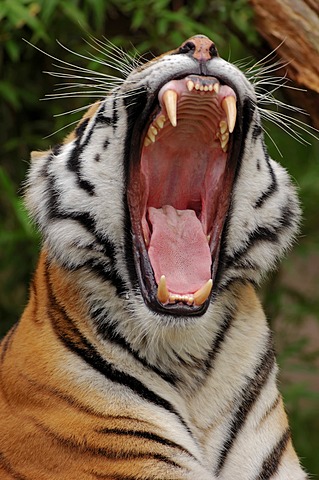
(162, 292)
(229, 107)
(170, 101)
(190, 85)
(160, 121)
(199, 297)
(216, 87)
(223, 126)
(153, 130)
(203, 293)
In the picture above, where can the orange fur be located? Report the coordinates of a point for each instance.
(51, 425)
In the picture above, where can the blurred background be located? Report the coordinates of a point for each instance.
(290, 295)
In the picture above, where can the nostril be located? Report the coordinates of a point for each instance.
(213, 50)
(187, 47)
(200, 48)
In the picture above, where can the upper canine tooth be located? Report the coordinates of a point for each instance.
(170, 102)
(203, 293)
(190, 85)
(162, 292)
(229, 107)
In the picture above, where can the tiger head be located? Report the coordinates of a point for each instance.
(164, 195)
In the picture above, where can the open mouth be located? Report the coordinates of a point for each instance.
(179, 192)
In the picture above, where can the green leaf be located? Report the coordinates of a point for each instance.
(9, 93)
(75, 15)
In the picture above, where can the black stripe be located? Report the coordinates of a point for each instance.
(261, 234)
(74, 160)
(108, 331)
(102, 119)
(145, 435)
(112, 476)
(88, 223)
(80, 129)
(218, 342)
(104, 273)
(83, 218)
(257, 131)
(249, 396)
(272, 187)
(57, 149)
(101, 451)
(72, 338)
(7, 467)
(271, 464)
(115, 115)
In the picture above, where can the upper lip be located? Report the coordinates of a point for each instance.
(177, 101)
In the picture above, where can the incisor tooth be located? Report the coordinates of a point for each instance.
(170, 102)
(229, 107)
(203, 293)
(162, 292)
(160, 121)
(216, 87)
(190, 85)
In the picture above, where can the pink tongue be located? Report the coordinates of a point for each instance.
(179, 249)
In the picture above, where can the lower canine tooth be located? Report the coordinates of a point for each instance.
(203, 293)
(162, 292)
(170, 102)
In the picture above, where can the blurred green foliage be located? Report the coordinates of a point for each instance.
(290, 295)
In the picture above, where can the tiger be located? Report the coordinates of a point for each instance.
(144, 352)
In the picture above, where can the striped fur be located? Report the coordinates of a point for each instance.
(96, 385)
